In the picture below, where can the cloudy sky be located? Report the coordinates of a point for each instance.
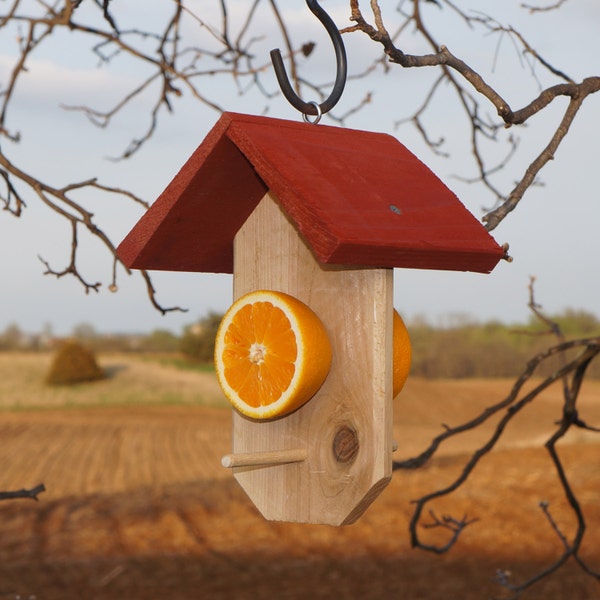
(553, 235)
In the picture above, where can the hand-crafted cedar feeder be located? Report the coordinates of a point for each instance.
(324, 214)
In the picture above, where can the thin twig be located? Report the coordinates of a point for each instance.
(32, 493)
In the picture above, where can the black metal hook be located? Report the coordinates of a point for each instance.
(314, 108)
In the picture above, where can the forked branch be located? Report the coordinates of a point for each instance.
(571, 373)
(465, 80)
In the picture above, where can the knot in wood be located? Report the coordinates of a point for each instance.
(345, 444)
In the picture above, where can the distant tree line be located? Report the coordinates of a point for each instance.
(468, 349)
(460, 348)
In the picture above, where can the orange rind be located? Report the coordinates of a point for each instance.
(272, 354)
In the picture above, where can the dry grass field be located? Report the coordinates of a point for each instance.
(138, 506)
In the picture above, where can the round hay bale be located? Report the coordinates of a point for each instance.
(73, 363)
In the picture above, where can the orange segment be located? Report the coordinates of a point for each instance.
(402, 354)
(272, 354)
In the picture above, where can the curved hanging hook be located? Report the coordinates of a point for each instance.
(313, 108)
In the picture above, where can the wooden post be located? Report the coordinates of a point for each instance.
(347, 427)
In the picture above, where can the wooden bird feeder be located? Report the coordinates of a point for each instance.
(324, 214)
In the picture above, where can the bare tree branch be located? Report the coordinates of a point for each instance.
(571, 373)
(450, 64)
(534, 9)
(32, 493)
(173, 69)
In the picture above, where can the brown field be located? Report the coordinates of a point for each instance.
(138, 506)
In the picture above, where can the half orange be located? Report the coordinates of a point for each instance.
(402, 354)
(272, 354)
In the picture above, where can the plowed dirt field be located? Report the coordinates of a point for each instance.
(138, 506)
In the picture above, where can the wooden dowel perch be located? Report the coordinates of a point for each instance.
(264, 459)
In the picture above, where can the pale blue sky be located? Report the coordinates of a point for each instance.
(553, 234)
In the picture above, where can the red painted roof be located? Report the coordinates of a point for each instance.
(357, 197)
